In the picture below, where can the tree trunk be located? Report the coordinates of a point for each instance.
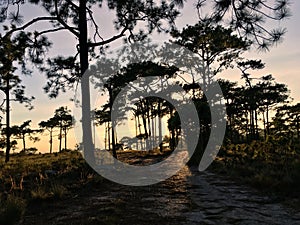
(85, 87)
(264, 122)
(65, 139)
(159, 127)
(252, 122)
(136, 131)
(94, 132)
(146, 131)
(267, 117)
(140, 132)
(153, 128)
(24, 142)
(149, 126)
(105, 136)
(113, 125)
(108, 135)
(60, 137)
(7, 121)
(51, 140)
(298, 128)
(144, 119)
(256, 126)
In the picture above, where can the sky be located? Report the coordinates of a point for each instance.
(282, 61)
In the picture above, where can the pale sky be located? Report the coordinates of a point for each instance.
(281, 61)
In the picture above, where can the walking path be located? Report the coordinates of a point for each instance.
(190, 197)
(224, 202)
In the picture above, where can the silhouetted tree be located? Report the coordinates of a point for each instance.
(286, 122)
(64, 121)
(12, 51)
(250, 100)
(270, 94)
(23, 131)
(49, 125)
(216, 47)
(231, 92)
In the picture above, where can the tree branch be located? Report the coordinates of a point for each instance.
(63, 23)
(29, 24)
(50, 31)
(95, 25)
(121, 34)
(73, 4)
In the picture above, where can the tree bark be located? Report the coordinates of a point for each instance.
(267, 117)
(113, 125)
(65, 139)
(24, 142)
(159, 127)
(7, 121)
(85, 87)
(51, 140)
(60, 137)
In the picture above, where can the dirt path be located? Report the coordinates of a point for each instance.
(224, 202)
(110, 203)
(189, 197)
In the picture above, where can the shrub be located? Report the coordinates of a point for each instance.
(57, 191)
(39, 193)
(12, 210)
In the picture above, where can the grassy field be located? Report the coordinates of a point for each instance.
(271, 167)
(36, 178)
(43, 177)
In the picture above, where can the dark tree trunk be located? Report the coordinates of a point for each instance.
(108, 135)
(7, 121)
(136, 132)
(60, 137)
(256, 125)
(51, 140)
(105, 137)
(153, 128)
(65, 139)
(85, 87)
(252, 122)
(265, 129)
(267, 117)
(144, 119)
(24, 142)
(113, 125)
(145, 130)
(113, 140)
(298, 128)
(149, 126)
(159, 127)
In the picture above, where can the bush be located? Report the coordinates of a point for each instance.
(12, 210)
(39, 193)
(58, 191)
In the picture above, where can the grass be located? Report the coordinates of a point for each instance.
(39, 193)
(57, 191)
(269, 167)
(52, 177)
(12, 210)
(40, 177)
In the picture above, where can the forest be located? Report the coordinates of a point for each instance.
(260, 146)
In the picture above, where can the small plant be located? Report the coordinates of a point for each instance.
(39, 193)
(58, 191)
(12, 210)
